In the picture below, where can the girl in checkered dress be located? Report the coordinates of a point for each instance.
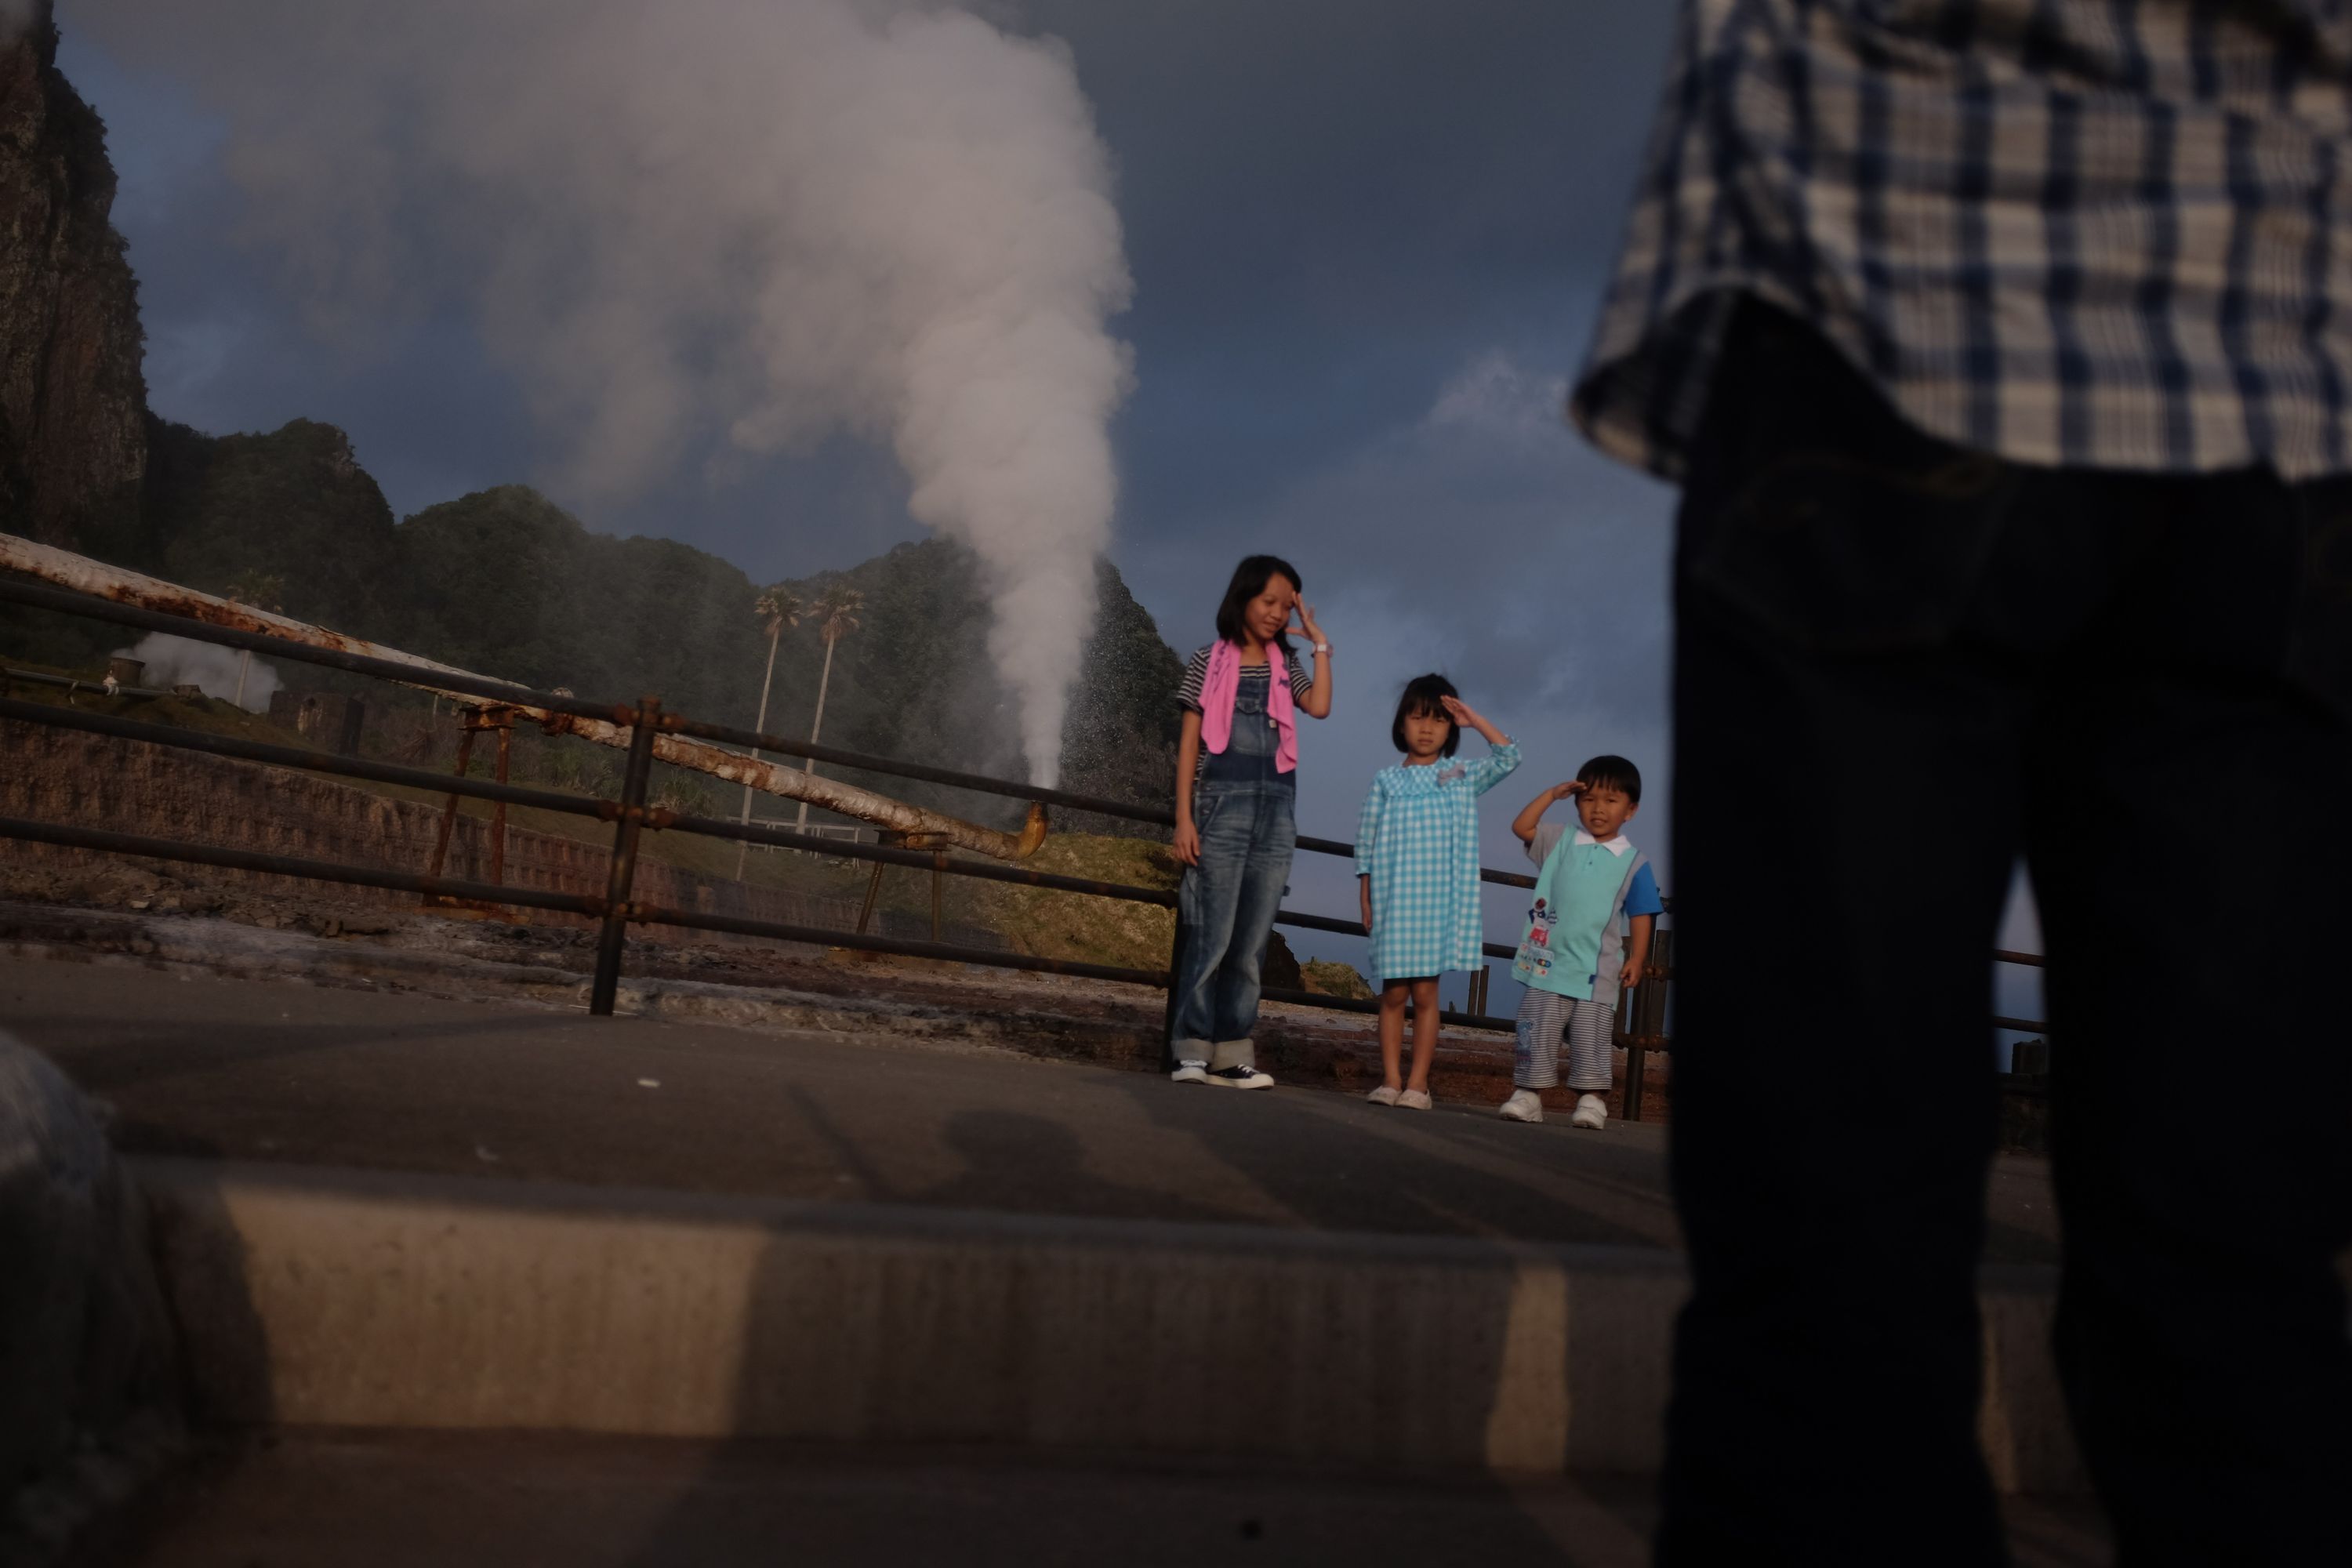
(1417, 865)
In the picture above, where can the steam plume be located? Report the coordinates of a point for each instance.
(182, 661)
(761, 221)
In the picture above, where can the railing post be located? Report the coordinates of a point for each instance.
(498, 808)
(1649, 1020)
(622, 873)
(888, 840)
(449, 812)
(938, 889)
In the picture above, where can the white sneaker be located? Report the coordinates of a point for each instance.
(1414, 1099)
(1241, 1077)
(1592, 1113)
(1383, 1095)
(1525, 1105)
(1190, 1072)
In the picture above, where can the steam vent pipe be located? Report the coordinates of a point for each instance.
(64, 569)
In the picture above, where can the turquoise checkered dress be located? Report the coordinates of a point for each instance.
(1418, 841)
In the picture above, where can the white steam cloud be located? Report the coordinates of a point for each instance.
(184, 661)
(754, 221)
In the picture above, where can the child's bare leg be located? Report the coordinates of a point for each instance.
(1425, 1032)
(1392, 1000)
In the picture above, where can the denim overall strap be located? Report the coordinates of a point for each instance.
(1249, 755)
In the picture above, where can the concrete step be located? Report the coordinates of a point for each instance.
(322, 1298)
(445, 1500)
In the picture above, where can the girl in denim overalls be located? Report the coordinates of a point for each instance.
(1236, 769)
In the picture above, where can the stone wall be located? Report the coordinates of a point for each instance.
(91, 781)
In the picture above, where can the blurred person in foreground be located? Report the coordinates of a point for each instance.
(2003, 351)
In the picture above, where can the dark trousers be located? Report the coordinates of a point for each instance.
(1900, 666)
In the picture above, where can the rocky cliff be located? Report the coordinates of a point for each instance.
(73, 404)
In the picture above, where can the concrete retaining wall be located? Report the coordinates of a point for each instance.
(366, 1301)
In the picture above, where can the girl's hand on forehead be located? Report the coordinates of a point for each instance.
(1458, 711)
(1304, 622)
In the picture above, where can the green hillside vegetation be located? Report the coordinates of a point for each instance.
(1333, 978)
(1075, 925)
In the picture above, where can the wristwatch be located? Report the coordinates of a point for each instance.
(1323, 647)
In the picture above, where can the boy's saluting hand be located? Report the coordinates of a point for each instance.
(1526, 822)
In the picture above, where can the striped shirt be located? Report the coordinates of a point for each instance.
(2098, 233)
(1196, 675)
(1255, 679)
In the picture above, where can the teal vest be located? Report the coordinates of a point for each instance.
(1573, 942)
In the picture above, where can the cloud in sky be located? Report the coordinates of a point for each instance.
(1496, 395)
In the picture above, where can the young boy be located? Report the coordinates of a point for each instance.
(1596, 905)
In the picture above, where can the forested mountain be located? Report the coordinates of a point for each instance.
(504, 582)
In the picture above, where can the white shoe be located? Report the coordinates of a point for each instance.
(1414, 1099)
(1190, 1072)
(1592, 1113)
(1525, 1105)
(1241, 1077)
(1384, 1095)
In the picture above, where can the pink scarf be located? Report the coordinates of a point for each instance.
(1220, 684)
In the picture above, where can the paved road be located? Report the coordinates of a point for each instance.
(446, 1501)
(250, 1069)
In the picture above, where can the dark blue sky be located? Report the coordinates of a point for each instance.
(1368, 239)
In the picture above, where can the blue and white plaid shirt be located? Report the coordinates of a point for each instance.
(2099, 232)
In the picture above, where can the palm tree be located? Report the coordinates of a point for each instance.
(777, 608)
(261, 590)
(836, 613)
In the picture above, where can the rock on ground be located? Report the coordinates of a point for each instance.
(87, 1380)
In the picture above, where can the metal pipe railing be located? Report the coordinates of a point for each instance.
(632, 817)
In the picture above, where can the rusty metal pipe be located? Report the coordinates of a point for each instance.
(449, 812)
(498, 810)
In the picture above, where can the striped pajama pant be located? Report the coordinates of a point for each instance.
(1589, 1028)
